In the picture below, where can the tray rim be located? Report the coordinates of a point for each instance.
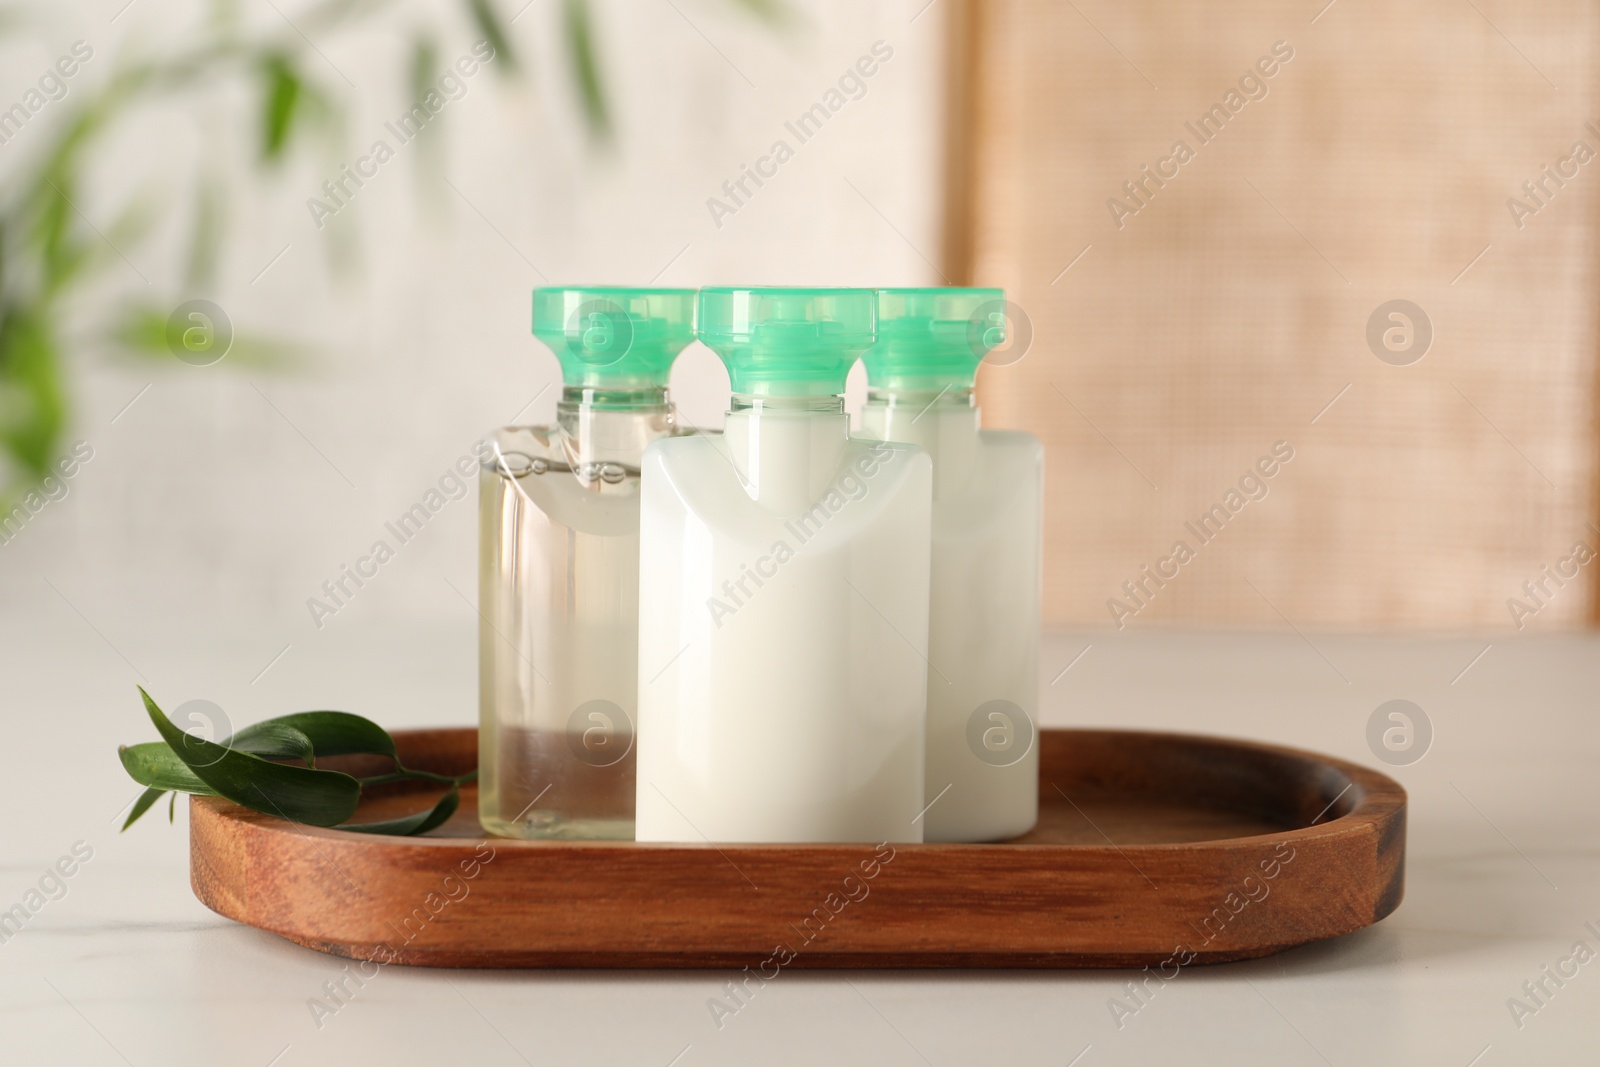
(1378, 793)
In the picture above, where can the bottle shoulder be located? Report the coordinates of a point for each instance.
(1004, 492)
(697, 479)
(1008, 461)
(1012, 441)
(540, 467)
(863, 454)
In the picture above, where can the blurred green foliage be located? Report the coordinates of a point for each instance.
(49, 249)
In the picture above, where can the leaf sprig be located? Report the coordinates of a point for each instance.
(271, 767)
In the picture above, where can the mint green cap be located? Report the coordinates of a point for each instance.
(787, 342)
(934, 338)
(609, 337)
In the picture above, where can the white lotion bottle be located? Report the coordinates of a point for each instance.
(783, 596)
(988, 486)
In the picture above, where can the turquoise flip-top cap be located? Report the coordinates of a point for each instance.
(609, 337)
(934, 338)
(784, 341)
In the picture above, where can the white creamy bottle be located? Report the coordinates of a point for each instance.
(783, 596)
(988, 486)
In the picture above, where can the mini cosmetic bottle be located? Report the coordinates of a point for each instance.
(558, 588)
(783, 596)
(983, 635)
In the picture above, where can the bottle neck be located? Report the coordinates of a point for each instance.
(922, 397)
(612, 426)
(942, 422)
(599, 398)
(787, 449)
(827, 404)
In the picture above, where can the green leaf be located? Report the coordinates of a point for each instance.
(142, 805)
(585, 67)
(488, 23)
(331, 733)
(32, 400)
(172, 810)
(411, 825)
(298, 794)
(424, 72)
(424, 67)
(274, 740)
(62, 255)
(774, 13)
(154, 764)
(141, 331)
(282, 94)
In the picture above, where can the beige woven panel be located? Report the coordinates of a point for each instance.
(1225, 309)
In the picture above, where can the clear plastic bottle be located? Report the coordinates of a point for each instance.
(559, 569)
(784, 587)
(983, 637)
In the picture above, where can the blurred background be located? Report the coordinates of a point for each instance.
(1359, 236)
(1374, 241)
(377, 339)
(1303, 304)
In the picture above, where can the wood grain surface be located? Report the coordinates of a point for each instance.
(1151, 849)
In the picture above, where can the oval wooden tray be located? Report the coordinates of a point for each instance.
(1151, 849)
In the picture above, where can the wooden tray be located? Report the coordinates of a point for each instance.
(1151, 849)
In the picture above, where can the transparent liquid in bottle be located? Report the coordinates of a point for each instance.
(558, 636)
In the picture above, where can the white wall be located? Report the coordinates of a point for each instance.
(224, 496)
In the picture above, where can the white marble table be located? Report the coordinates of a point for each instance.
(1504, 872)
